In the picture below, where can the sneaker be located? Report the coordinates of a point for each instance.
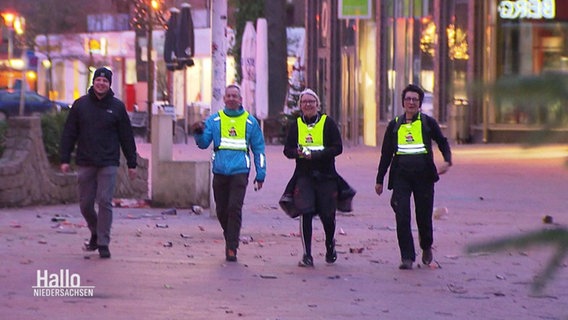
(331, 254)
(92, 244)
(427, 256)
(306, 262)
(231, 255)
(405, 265)
(104, 252)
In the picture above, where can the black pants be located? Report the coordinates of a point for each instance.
(229, 193)
(422, 189)
(316, 196)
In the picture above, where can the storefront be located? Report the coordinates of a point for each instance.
(360, 66)
(531, 38)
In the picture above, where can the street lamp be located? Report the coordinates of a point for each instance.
(15, 25)
(147, 14)
(154, 6)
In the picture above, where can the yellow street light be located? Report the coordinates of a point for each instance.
(155, 4)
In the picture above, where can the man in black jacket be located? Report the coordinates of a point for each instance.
(99, 124)
(407, 149)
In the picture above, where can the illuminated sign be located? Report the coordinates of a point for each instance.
(355, 9)
(527, 9)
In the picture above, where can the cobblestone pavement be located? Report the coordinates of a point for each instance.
(179, 271)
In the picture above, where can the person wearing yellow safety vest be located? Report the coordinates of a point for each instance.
(407, 149)
(233, 132)
(314, 141)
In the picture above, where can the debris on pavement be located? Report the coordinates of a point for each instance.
(130, 203)
(161, 225)
(197, 209)
(456, 289)
(547, 219)
(170, 212)
(440, 213)
(66, 231)
(58, 218)
(356, 250)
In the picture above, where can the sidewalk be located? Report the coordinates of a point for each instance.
(156, 273)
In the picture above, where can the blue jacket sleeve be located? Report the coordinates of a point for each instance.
(204, 140)
(257, 147)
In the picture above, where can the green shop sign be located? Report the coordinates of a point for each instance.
(355, 9)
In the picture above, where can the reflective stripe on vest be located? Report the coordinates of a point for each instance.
(410, 139)
(311, 136)
(233, 131)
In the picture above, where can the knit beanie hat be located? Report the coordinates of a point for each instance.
(103, 72)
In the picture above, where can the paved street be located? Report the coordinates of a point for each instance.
(173, 267)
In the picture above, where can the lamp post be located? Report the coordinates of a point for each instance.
(150, 66)
(15, 25)
(9, 22)
(148, 14)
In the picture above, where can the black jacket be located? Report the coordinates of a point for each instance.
(322, 162)
(100, 128)
(430, 131)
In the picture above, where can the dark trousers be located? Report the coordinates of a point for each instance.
(229, 193)
(316, 197)
(422, 190)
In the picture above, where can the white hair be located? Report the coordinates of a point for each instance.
(311, 93)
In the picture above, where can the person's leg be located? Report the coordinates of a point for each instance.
(87, 187)
(106, 181)
(400, 202)
(326, 195)
(221, 195)
(306, 232)
(424, 204)
(304, 200)
(237, 186)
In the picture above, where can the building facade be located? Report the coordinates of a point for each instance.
(359, 63)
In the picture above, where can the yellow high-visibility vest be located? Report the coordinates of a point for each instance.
(233, 131)
(410, 139)
(311, 136)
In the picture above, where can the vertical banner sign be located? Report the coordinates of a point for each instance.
(355, 9)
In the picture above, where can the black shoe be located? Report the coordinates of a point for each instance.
(331, 254)
(427, 256)
(104, 252)
(405, 265)
(231, 255)
(306, 262)
(92, 244)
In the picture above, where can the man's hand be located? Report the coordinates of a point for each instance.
(258, 185)
(198, 127)
(444, 168)
(64, 167)
(132, 173)
(379, 188)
